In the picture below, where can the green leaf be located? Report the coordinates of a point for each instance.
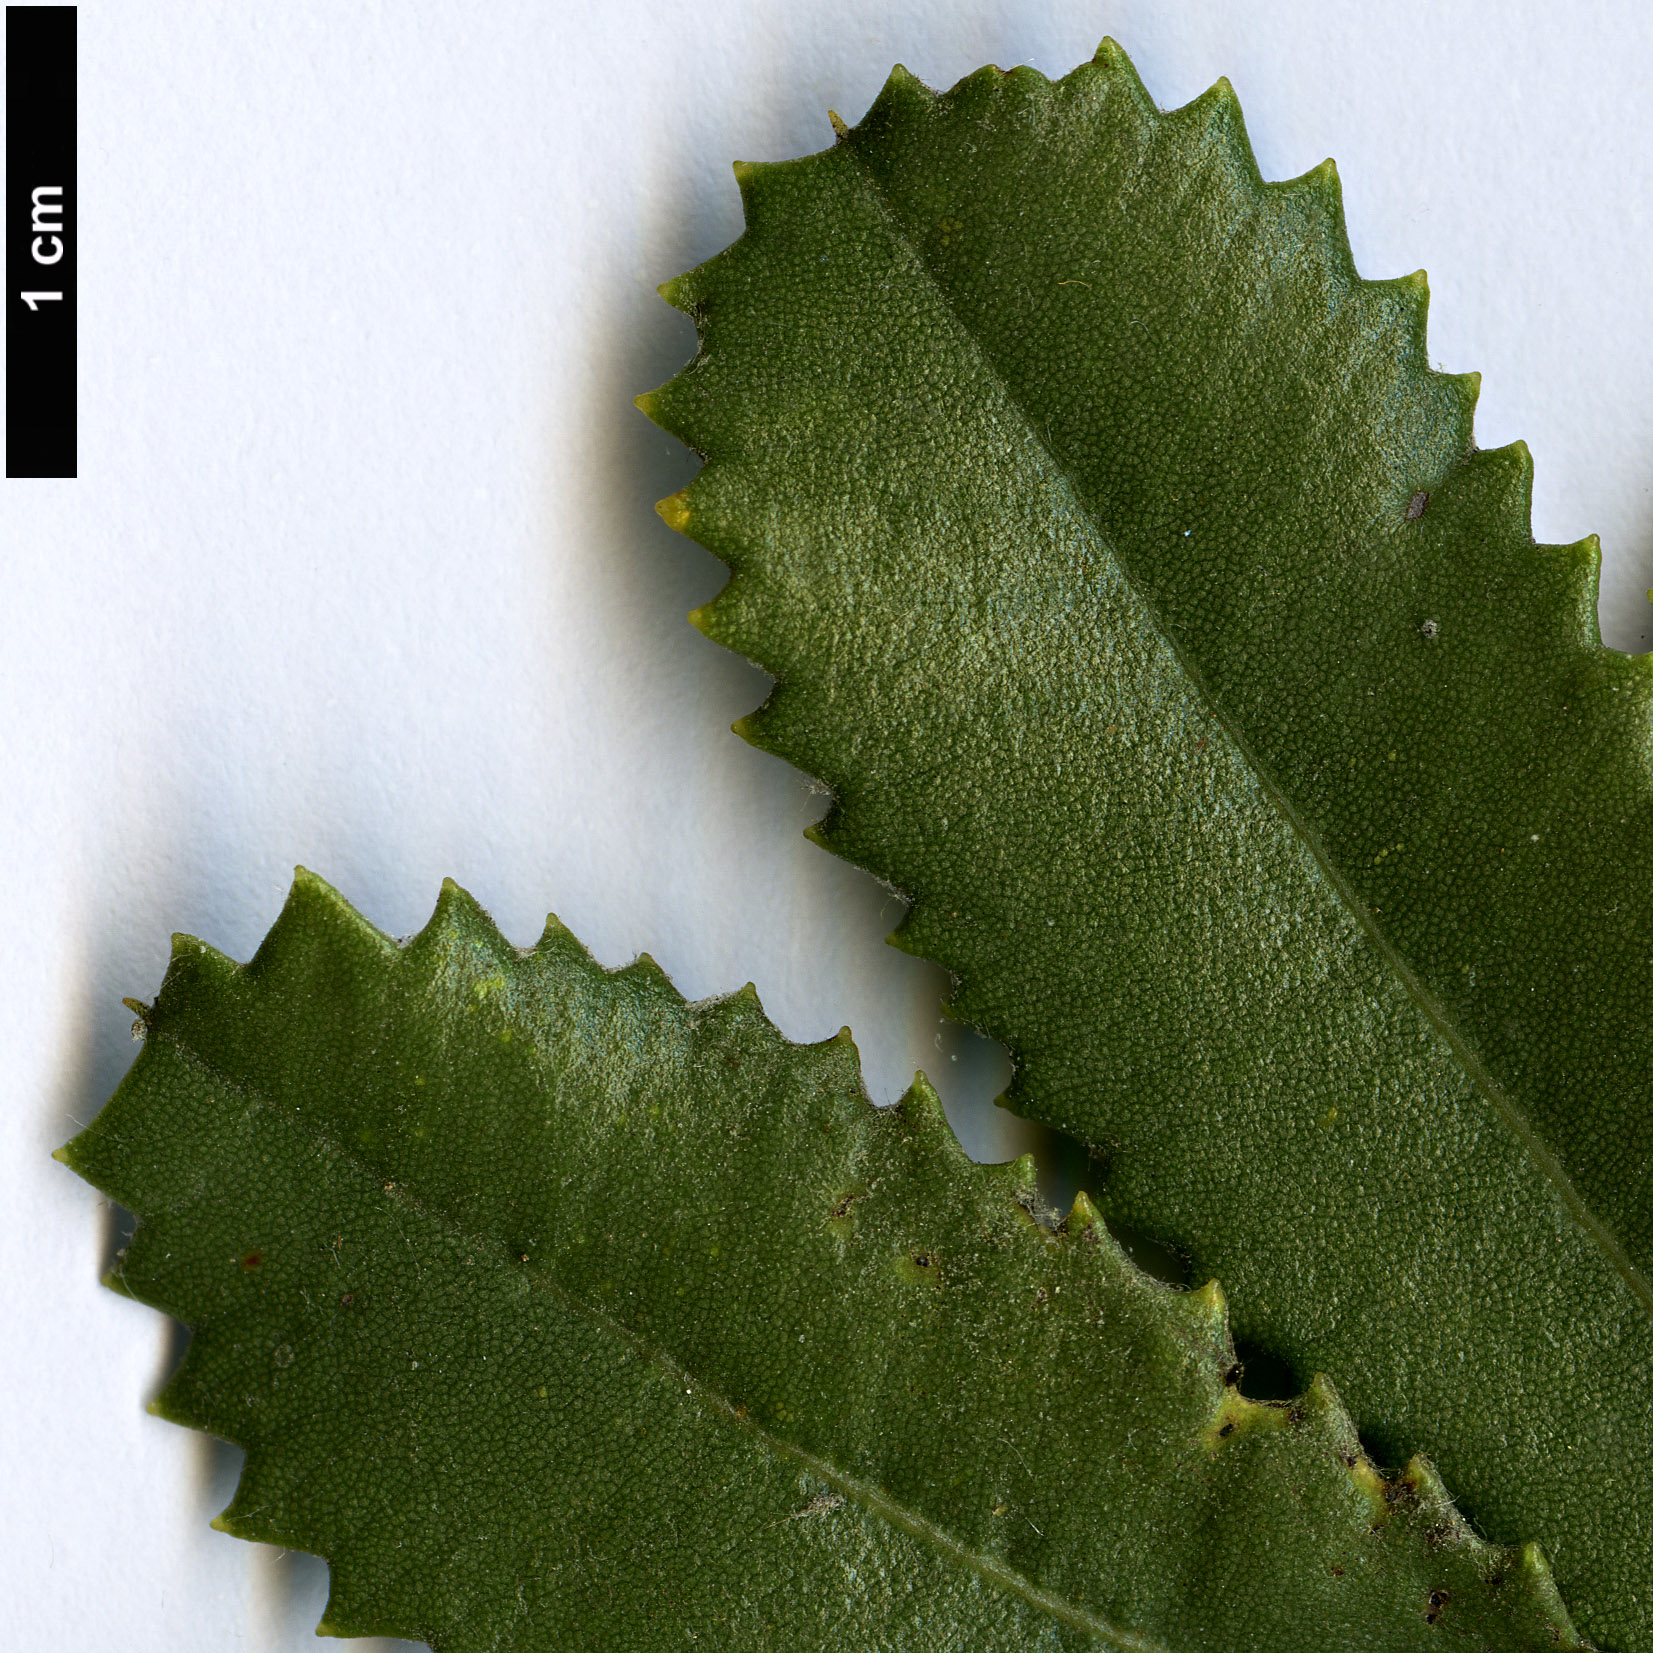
(557, 1312)
(1138, 591)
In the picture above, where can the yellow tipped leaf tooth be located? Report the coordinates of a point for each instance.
(1082, 1215)
(674, 511)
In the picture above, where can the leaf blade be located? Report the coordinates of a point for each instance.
(525, 1347)
(995, 658)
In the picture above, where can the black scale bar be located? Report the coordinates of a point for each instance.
(40, 241)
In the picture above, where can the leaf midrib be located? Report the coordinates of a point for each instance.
(865, 1493)
(1537, 1150)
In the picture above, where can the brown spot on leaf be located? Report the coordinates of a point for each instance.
(253, 1259)
(1417, 505)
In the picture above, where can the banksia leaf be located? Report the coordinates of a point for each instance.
(1140, 594)
(559, 1313)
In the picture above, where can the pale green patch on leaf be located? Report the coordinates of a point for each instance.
(1139, 592)
(559, 1313)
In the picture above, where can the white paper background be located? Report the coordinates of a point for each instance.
(361, 569)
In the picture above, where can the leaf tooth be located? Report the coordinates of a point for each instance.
(249, 1513)
(1216, 112)
(558, 941)
(201, 965)
(675, 407)
(842, 1049)
(1083, 1216)
(902, 99)
(1538, 1585)
(313, 902)
(460, 928)
(902, 80)
(920, 1110)
(1208, 1305)
(756, 728)
(1085, 1223)
(1109, 54)
(179, 1399)
(312, 906)
(645, 971)
(1019, 1175)
(350, 1611)
(1512, 465)
(673, 510)
(681, 294)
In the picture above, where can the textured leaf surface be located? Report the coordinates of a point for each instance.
(557, 1312)
(1138, 590)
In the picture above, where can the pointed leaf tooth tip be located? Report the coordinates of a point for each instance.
(1321, 1392)
(1210, 1301)
(745, 172)
(219, 1524)
(646, 403)
(839, 129)
(674, 512)
(1082, 1214)
(61, 1155)
(1219, 95)
(923, 1093)
(308, 885)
